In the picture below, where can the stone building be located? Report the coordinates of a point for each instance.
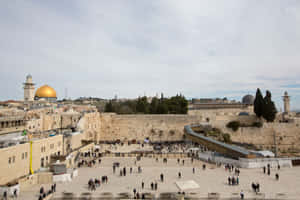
(28, 89)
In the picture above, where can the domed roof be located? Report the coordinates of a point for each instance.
(248, 99)
(45, 92)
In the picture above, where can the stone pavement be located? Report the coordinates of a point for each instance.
(211, 180)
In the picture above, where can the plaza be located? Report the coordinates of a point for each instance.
(211, 180)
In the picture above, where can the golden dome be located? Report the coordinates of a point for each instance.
(45, 92)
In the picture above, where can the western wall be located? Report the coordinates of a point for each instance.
(139, 127)
(170, 128)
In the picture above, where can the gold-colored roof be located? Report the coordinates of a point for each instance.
(45, 92)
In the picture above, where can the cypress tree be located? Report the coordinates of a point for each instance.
(269, 109)
(258, 103)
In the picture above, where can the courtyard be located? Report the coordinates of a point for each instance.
(211, 180)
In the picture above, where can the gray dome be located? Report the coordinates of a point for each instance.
(243, 114)
(248, 99)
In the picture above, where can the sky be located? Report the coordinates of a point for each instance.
(201, 49)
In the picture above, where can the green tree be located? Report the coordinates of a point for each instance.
(154, 105)
(142, 105)
(269, 109)
(162, 107)
(258, 103)
(109, 107)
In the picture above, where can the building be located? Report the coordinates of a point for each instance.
(286, 102)
(28, 89)
(44, 93)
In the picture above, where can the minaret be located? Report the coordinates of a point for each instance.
(29, 89)
(286, 102)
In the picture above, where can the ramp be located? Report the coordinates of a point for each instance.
(226, 149)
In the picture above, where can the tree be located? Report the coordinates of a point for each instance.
(162, 107)
(269, 109)
(109, 107)
(258, 103)
(142, 105)
(154, 105)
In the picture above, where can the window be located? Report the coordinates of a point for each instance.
(23, 156)
(9, 160)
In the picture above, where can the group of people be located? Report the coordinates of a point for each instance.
(94, 183)
(268, 168)
(255, 187)
(233, 181)
(44, 194)
(15, 194)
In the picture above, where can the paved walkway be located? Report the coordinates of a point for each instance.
(212, 179)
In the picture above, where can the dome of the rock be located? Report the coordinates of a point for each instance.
(45, 92)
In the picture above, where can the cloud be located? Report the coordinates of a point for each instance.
(102, 48)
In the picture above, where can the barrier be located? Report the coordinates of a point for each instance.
(246, 163)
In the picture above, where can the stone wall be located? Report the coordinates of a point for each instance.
(14, 162)
(139, 127)
(42, 149)
(286, 135)
(90, 125)
(170, 128)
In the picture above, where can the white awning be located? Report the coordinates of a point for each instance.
(187, 185)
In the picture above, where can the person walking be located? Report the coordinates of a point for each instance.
(5, 195)
(124, 171)
(242, 194)
(15, 193)
(42, 190)
(134, 191)
(161, 177)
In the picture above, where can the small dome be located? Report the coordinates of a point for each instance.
(248, 99)
(243, 114)
(45, 92)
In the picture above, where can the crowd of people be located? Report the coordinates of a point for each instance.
(94, 183)
(43, 193)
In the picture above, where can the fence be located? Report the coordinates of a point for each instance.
(247, 163)
(146, 154)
